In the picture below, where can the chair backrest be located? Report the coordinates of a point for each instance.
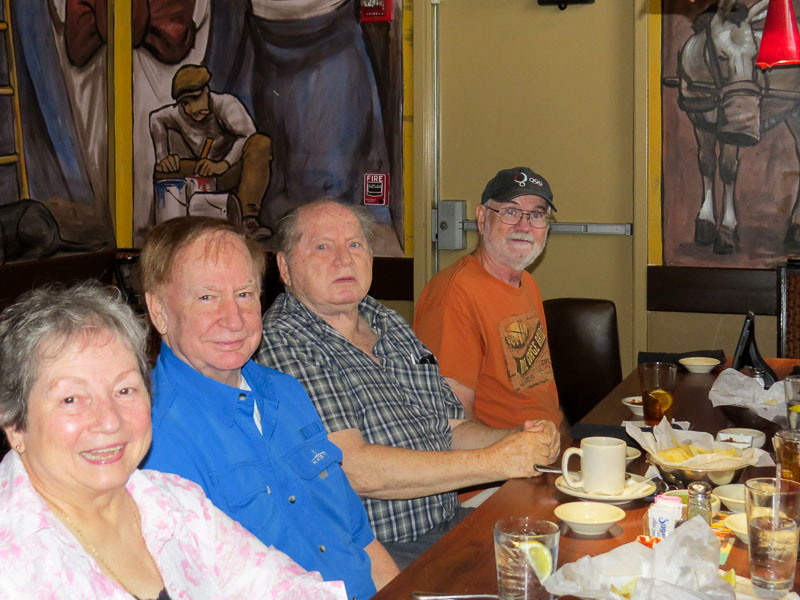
(789, 310)
(584, 347)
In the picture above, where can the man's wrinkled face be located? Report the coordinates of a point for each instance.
(196, 107)
(209, 313)
(330, 267)
(515, 246)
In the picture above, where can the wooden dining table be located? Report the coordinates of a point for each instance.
(462, 561)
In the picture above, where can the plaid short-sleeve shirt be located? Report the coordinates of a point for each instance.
(402, 401)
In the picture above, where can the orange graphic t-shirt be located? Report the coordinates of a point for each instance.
(492, 338)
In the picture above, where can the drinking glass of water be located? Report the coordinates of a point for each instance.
(773, 515)
(526, 552)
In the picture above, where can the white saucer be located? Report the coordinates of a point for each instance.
(622, 498)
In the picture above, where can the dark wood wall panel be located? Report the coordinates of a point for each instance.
(392, 278)
(16, 278)
(710, 290)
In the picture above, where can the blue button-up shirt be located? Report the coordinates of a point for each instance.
(286, 485)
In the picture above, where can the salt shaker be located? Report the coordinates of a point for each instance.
(699, 500)
(758, 375)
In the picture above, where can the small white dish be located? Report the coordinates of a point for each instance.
(699, 364)
(684, 496)
(737, 523)
(736, 436)
(633, 490)
(732, 496)
(589, 518)
(631, 454)
(634, 404)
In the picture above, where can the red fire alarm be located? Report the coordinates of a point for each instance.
(376, 10)
(376, 189)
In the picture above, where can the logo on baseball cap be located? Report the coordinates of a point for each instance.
(519, 181)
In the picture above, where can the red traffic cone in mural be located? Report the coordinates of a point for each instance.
(780, 43)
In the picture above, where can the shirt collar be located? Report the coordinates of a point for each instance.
(373, 312)
(217, 398)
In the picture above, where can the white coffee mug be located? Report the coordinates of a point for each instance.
(602, 465)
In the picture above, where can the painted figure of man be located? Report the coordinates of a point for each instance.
(212, 135)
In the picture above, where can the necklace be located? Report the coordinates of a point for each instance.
(93, 551)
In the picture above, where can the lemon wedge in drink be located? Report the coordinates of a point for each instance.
(664, 399)
(539, 556)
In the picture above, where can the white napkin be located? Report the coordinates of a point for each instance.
(641, 423)
(737, 389)
(683, 565)
(664, 436)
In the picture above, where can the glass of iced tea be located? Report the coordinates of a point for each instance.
(658, 387)
(787, 453)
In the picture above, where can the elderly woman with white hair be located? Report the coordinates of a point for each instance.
(78, 519)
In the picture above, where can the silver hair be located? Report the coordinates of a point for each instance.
(289, 232)
(58, 314)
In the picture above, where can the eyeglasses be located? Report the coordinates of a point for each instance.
(512, 216)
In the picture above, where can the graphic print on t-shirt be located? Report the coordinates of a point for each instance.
(525, 349)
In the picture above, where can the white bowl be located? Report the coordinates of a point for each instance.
(684, 496)
(699, 364)
(631, 454)
(759, 439)
(634, 404)
(737, 523)
(589, 518)
(732, 496)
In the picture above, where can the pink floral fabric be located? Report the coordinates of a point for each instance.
(201, 553)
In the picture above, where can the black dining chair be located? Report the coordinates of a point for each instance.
(584, 347)
(789, 309)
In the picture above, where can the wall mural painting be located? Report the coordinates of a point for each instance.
(53, 190)
(730, 139)
(241, 109)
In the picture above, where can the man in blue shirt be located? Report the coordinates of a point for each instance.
(247, 434)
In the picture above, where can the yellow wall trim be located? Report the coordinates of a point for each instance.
(120, 123)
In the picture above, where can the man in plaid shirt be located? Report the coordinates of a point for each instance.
(406, 444)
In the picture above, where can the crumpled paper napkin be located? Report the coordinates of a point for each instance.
(734, 388)
(664, 436)
(683, 565)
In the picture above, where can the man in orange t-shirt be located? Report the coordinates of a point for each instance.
(483, 316)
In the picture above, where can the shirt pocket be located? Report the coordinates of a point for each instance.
(246, 495)
(314, 456)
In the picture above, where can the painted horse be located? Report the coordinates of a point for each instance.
(731, 102)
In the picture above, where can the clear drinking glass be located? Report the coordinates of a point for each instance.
(773, 514)
(791, 386)
(787, 453)
(658, 386)
(526, 552)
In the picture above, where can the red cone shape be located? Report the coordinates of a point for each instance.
(780, 44)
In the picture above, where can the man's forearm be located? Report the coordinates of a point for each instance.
(383, 568)
(390, 473)
(471, 434)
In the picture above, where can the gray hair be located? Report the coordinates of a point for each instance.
(289, 231)
(58, 314)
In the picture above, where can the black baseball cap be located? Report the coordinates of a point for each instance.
(519, 181)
